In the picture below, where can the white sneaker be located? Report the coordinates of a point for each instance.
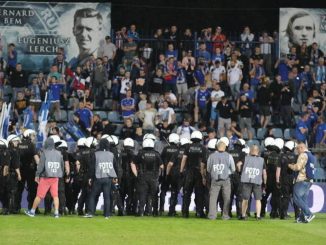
(310, 218)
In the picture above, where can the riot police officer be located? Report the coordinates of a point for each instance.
(128, 180)
(169, 154)
(194, 159)
(4, 171)
(63, 148)
(271, 158)
(173, 173)
(285, 177)
(149, 163)
(28, 163)
(211, 146)
(83, 158)
(115, 199)
(238, 156)
(14, 174)
(101, 175)
(272, 161)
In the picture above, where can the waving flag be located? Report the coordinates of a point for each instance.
(5, 117)
(28, 118)
(43, 120)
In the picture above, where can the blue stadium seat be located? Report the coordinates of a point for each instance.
(117, 131)
(102, 114)
(253, 142)
(277, 133)
(114, 117)
(288, 133)
(253, 132)
(261, 133)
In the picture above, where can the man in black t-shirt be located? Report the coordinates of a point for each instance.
(225, 110)
(285, 101)
(245, 110)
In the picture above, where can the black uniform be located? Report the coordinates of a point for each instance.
(238, 155)
(286, 181)
(128, 182)
(27, 151)
(196, 154)
(148, 162)
(115, 199)
(4, 191)
(71, 185)
(83, 155)
(168, 155)
(272, 159)
(11, 182)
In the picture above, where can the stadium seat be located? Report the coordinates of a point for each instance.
(102, 114)
(253, 142)
(64, 116)
(253, 132)
(297, 118)
(70, 115)
(179, 117)
(261, 133)
(277, 133)
(117, 131)
(114, 117)
(288, 133)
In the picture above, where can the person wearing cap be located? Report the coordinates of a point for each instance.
(49, 170)
(128, 180)
(28, 163)
(285, 177)
(146, 167)
(220, 165)
(252, 177)
(83, 158)
(192, 164)
(100, 177)
(4, 171)
(107, 49)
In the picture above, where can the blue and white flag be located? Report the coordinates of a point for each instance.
(5, 120)
(73, 130)
(43, 120)
(28, 118)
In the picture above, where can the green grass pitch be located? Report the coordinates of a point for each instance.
(20, 229)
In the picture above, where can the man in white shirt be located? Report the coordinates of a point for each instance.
(148, 117)
(185, 129)
(166, 113)
(234, 79)
(216, 70)
(107, 49)
(216, 96)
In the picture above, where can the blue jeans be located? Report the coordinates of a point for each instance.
(300, 195)
(101, 185)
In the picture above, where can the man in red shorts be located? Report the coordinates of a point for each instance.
(49, 170)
